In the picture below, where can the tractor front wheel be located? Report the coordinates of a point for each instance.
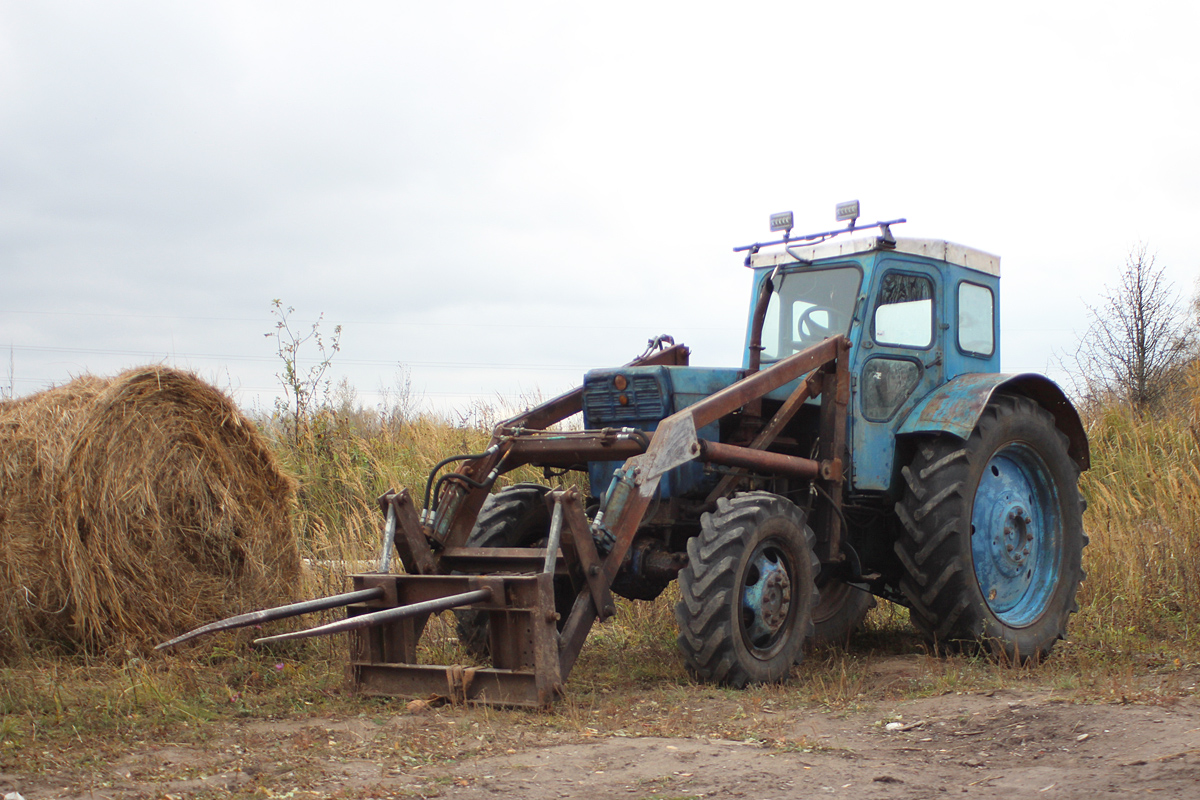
(748, 591)
(515, 516)
(993, 533)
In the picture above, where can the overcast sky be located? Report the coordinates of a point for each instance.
(492, 198)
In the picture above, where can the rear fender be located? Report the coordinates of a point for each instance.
(955, 407)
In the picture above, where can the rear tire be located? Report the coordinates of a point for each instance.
(748, 592)
(993, 533)
(840, 610)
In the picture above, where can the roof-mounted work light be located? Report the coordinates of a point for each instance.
(782, 222)
(845, 211)
(848, 211)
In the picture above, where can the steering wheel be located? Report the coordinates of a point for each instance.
(812, 331)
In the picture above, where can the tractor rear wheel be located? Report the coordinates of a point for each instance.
(748, 591)
(840, 610)
(515, 516)
(993, 533)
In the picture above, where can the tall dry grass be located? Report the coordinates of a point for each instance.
(346, 456)
(1143, 517)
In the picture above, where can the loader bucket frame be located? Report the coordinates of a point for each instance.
(515, 587)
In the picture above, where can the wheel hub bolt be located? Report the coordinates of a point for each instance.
(776, 600)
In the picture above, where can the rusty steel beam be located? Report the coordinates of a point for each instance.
(498, 687)
(764, 439)
(758, 460)
(752, 387)
(566, 450)
(408, 538)
(835, 403)
(499, 560)
(462, 504)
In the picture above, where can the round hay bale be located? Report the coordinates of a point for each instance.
(133, 509)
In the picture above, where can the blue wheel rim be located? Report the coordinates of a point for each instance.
(766, 599)
(1016, 535)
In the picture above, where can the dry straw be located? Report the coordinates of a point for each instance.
(132, 509)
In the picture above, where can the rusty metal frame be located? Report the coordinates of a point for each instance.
(524, 641)
(515, 587)
(463, 502)
(520, 620)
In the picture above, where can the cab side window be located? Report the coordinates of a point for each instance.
(904, 312)
(887, 383)
(975, 322)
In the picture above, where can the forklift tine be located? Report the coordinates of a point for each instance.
(386, 615)
(280, 612)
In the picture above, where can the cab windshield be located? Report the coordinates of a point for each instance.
(809, 305)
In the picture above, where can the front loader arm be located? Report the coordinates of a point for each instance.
(675, 442)
(461, 500)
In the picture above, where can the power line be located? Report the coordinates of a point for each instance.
(45, 383)
(175, 356)
(386, 323)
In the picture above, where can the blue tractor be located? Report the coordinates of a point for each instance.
(866, 447)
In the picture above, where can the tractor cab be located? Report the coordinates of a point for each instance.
(918, 313)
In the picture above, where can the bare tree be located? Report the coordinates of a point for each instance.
(1139, 340)
(300, 386)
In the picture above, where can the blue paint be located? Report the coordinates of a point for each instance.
(1016, 535)
(693, 384)
(957, 363)
(955, 408)
(941, 358)
(873, 444)
(766, 597)
(652, 394)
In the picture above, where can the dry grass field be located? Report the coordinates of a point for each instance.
(1114, 708)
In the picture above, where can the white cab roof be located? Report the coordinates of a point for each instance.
(939, 249)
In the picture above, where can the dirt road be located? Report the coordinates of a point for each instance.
(1001, 744)
(1006, 745)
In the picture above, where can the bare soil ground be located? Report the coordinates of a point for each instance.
(1002, 743)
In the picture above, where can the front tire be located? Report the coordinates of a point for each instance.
(515, 516)
(748, 591)
(993, 533)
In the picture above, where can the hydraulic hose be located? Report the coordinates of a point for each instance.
(433, 472)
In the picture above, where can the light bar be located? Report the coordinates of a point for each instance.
(846, 211)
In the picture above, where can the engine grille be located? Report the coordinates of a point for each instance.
(602, 403)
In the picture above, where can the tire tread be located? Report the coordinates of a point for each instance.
(933, 547)
(706, 585)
